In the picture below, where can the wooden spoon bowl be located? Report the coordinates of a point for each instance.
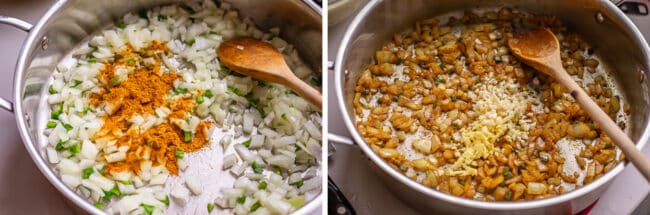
(540, 49)
(262, 61)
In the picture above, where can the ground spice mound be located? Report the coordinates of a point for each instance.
(143, 91)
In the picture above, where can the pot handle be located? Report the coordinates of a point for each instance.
(331, 136)
(22, 25)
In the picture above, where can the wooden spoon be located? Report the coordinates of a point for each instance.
(540, 49)
(262, 61)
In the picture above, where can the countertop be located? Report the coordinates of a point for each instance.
(349, 168)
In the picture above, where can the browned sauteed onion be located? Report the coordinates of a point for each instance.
(449, 106)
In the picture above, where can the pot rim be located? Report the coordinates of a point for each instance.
(21, 117)
(471, 203)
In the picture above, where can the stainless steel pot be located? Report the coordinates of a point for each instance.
(599, 21)
(68, 22)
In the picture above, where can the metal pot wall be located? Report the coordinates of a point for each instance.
(69, 22)
(600, 22)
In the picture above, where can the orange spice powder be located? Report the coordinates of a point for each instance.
(140, 94)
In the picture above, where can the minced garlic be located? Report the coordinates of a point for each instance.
(498, 106)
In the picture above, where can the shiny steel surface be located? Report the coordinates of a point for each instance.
(69, 22)
(619, 43)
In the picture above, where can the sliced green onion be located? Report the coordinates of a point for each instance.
(51, 124)
(99, 205)
(200, 99)
(87, 172)
(67, 126)
(148, 209)
(210, 207)
(208, 93)
(121, 25)
(52, 90)
(256, 206)
(300, 183)
(262, 185)
(257, 168)
(508, 195)
(284, 116)
(92, 60)
(162, 18)
(212, 32)
(149, 143)
(247, 143)
(130, 62)
(241, 200)
(179, 154)
(187, 136)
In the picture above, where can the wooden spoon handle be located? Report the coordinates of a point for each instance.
(306, 91)
(611, 129)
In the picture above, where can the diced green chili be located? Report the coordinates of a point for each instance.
(165, 201)
(102, 170)
(256, 206)
(190, 42)
(52, 90)
(235, 90)
(543, 157)
(115, 80)
(262, 185)
(187, 136)
(87, 172)
(200, 99)
(508, 195)
(181, 90)
(208, 93)
(60, 145)
(67, 127)
(59, 110)
(74, 149)
(179, 154)
(210, 207)
(148, 209)
(247, 143)
(257, 168)
(241, 199)
(51, 124)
